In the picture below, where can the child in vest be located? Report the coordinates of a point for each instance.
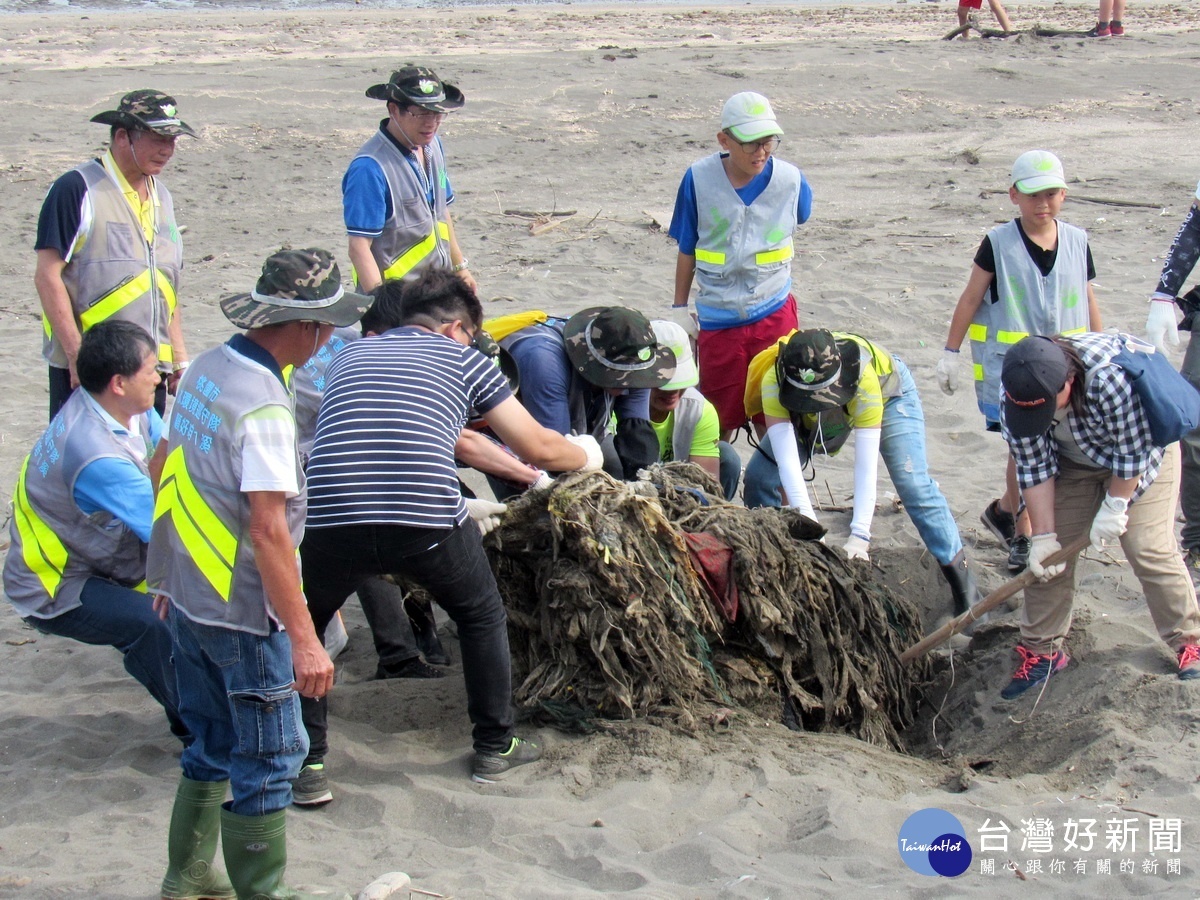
(1032, 275)
(684, 422)
(734, 217)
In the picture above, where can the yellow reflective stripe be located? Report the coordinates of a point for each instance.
(115, 301)
(288, 372)
(1010, 337)
(166, 353)
(710, 256)
(978, 372)
(1075, 331)
(977, 332)
(43, 552)
(140, 587)
(46, 327)
(168, 292)
(773, 256)
(208, 542)
(411, 257)
(443, 230)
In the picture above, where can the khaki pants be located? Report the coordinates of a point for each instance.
(1149, 545)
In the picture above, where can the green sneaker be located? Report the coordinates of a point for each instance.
(311, 787)
(489, 768)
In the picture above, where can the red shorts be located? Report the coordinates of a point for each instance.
(724, 356)
(971, 4)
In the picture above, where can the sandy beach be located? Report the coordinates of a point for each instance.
(907, 141)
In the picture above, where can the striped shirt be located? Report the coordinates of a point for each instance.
(1113, 431)
(392, 412)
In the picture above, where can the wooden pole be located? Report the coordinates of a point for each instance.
(990, 602)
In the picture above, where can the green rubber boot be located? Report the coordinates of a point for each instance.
(256, 855)
(192, 843)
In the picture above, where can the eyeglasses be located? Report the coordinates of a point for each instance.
(770, 144)
(472, 336)
(419, 113)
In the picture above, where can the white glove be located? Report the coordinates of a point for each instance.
(1042, 546)
(1111, 521)
(686, 319)
(595, 456)
(485, 513)
(1161, 328)
(856, 548)
(947, 371)
(544, 480)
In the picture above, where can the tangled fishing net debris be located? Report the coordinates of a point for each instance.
(659, 599)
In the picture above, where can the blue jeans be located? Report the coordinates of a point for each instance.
(456, 573)
(236, 697)
(1189, 494)
(902, 446)
(731, 469)
(124, 618)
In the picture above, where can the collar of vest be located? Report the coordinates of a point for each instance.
(391, 138)
(239, 343)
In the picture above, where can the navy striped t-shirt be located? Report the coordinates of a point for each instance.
(392, 412)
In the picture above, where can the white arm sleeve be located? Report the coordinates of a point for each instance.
(791, 473)
(866, 469)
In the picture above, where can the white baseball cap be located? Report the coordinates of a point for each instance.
(1037, 170)
(671, 335)
(748, 117)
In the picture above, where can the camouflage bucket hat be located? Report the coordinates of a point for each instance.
(148, 110)
(615, 347)
(816, 371)
(297, 286)
(419, 86)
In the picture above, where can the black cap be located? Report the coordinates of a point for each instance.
(1035, 370)
(418, 86)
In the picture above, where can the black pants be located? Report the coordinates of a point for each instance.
(453, 567)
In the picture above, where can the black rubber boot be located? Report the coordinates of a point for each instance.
(962, 587)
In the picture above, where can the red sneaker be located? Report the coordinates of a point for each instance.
(1189, 662)
(1101, 30)
(1116, 29)
(1036, 668)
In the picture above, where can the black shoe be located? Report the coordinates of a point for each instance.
(491, 767)
(1018, 554)
(410, 668)
(1000, 523)
(311, 787)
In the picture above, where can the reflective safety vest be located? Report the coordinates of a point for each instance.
(415, 237)
(827, 431)
(687, 415)
(56, 547)
(117, 274)
(201, 555)
(1029, 303)
(743, 253)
